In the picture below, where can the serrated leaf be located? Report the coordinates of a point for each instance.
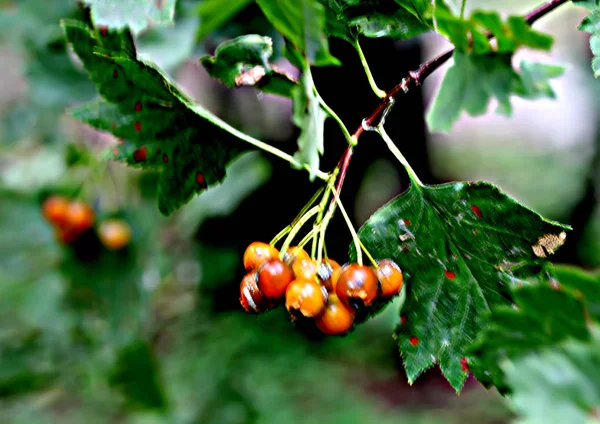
(303, 23)
(309, 116)
(158, 125)
(244, 61)
(591, 24)
(560, 385)
(213, 14)
(473, 80)
(135, 14)
(461, 247)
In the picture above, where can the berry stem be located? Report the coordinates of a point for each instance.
(305, 208)
(357, 243)
(352, 141)
(462, 9)
(363, 60)
(312, 212)
(396, 152)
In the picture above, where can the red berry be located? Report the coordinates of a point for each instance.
(336, 318)
(257, 254)
(80, 216)
(325, 272)
(251, 298)
(357, 285)
(390, 277)
(274, 276)
(305, 297)
(115, 234)
(55, 209)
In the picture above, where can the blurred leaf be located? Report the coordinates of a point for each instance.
(213, 15)
(473, 80)
(461, 246)
(585, 286)
(543, 316)
(137, 376)
(160, 126)
(244, 61)
(310, 118)
(561, 384)
(303, 23)
(591, 24)
(135, 14)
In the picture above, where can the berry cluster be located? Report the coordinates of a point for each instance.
(326, 292)
(72, 218)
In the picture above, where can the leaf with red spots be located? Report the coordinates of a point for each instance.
(160, 127)
(244, 61)
(135, 14)
(544, 314)
(458, 262)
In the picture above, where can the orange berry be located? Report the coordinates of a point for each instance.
(390, 277)
(274, 276)
(257, 254)
(305, 297)
(305, 269)
(325, 272)
(251, 298)
(80, 216)
(336, 318)
(55, 209)
(294, 254)
(114, 234)
(357, 285)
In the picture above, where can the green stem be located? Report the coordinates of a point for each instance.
(351, 140)
(462, 9)
(295, 230)
(357, 243)
(378, 92)
(373, 261)
(396, 152)
(260, 144)
(322, 206)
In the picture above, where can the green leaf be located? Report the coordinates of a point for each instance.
(310, 118)
(543, 316)
(473, 80)
(244, 61)
(303, 23)
(591, 24)
(583, 285)
(213, 14)
(560, 385)
(461, 247)
(135, 14)
(158, 125)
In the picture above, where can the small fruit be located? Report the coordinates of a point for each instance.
(357, 285)
(305, 269)
(336, 318)
(55, 209)
(80, 216)
(305, 297)
(65, 235)
(257, 254)
(251, 298)
(274, 276)
(294, 254)
(115, 234)
(390, 277)
(325, 272)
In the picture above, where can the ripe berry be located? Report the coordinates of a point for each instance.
(357, 285)
(65, 235)
(294, 254)
(80, 216)
(336, 318)
(251, 298)
(390, 277)
(257, 254)
(274, 277)
(305, 297)
(55, 209)
(115, 234)
(305, 269)
(325, 272)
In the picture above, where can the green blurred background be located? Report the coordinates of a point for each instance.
(154, 333)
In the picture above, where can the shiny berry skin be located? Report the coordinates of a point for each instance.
(251, 298)
(305, 269)
(336, 318)
(325, 272)
(357, 285)
(305, 297)
(257, 254)
(274, 276)
(55, 209)
(80, 216)
(294, 254)
(114, 234)
(390, 277)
